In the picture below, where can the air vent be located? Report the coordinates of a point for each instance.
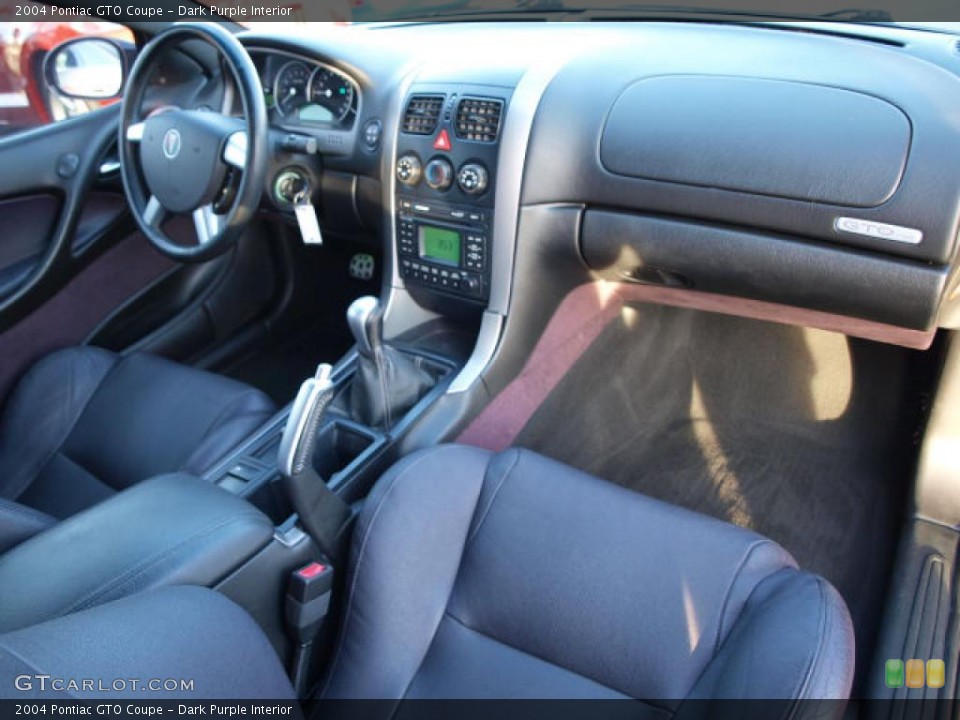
(479, 119)
(423, 114)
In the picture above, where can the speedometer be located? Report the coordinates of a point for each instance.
(332, 91)
(290, 87)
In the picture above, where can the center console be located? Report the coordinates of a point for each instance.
(350, 453)
(446, 174)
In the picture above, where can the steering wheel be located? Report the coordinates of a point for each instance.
(178, 162)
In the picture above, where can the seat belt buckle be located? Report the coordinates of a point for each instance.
(308, 600)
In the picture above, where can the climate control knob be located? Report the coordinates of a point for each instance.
(473, 178)
(409, 169)
(438, 174)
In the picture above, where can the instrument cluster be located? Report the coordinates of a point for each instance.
(304, 92)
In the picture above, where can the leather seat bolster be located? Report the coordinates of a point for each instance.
(19, 522)
(806, 636)
(174, 633)
(169, 530)
(43, 410)
(405, 555)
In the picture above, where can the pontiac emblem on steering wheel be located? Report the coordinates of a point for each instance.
(171, 143)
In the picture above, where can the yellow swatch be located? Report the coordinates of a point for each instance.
(936, 673)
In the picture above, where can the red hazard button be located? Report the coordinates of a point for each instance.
(442, 142)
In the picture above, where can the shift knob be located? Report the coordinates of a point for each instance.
(365, 319)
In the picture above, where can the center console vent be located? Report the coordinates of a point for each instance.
(422, 114)
(479, 119)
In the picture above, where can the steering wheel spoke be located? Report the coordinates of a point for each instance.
(235, 150)
(135, 132)
(154, 213)
(207, 223)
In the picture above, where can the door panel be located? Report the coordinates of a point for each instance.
(47, 176)
(25, 226)
(80, 305)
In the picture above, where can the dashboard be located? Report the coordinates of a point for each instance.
(797, 167)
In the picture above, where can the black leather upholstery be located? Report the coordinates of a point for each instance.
(19, 522)
(173, 529)
(84, 423)
(476, 575)
(176, 633)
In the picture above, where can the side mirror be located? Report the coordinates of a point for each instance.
(87, 68)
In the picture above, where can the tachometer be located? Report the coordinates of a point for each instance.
(290, 87)
(332, 91)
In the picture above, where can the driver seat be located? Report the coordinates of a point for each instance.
(84, 423)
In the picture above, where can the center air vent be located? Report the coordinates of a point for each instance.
(422, 114)
(479, 119)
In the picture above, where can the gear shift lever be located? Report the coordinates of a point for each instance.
(387, 382)
(365, 320)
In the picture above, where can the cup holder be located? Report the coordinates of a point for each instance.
(338, 445)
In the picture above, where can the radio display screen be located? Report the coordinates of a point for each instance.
(440, 245)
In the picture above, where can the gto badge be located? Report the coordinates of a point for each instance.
(171, 143)
(878, 230)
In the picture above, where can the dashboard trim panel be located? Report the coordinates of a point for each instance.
(514, 141)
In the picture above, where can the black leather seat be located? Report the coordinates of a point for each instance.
(84, 423)
(477, 575)
(204, 640)
(474, 575)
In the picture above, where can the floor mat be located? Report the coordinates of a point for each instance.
(806, 436)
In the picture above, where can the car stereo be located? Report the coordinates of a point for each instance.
(444, 247)
(445, 174)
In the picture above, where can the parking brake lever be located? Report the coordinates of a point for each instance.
(323, 514)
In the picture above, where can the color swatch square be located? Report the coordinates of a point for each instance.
(936, 673)
(894, 673)
(914, 673)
